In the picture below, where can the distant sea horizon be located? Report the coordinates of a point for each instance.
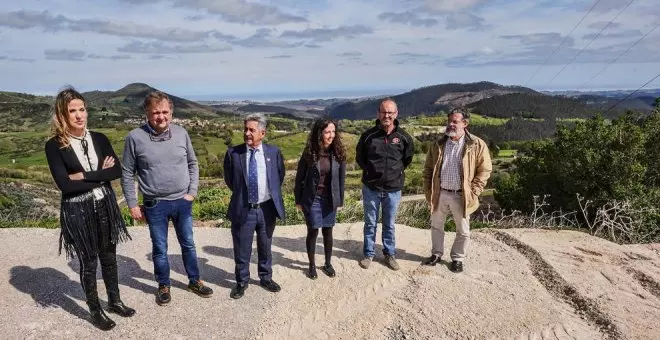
(288, 96)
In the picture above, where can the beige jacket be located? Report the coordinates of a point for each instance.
(477, 167)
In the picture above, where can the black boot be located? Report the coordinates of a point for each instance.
(111, 280)
(98, 317)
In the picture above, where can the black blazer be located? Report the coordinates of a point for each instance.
(307, 179)
(63, 162)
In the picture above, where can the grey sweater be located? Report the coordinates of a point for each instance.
(166, 169)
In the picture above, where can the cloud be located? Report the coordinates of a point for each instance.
(598, 25)
(550, 38)
(18, 60)
(350, 54)
(282, 56)
(328, 34)
(236, 11)
(112, 57)
(615, 35)
(461, 20)
(407, 18)
(605, 6)
(160, 48)
(263, 38)
(65, 55)
(31, 19)
(312, 45)
(450, 6)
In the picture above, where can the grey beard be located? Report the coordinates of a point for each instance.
(451, 133)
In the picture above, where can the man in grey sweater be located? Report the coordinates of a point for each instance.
(162, 157)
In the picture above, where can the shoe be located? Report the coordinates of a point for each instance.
(121, 309)
(200, 289)
(100, 320)
(365, 262)
(163, 295)
(431, 261)
(238, 291)
(312, 273)
(456, 266)
(390, 261)
(270, 286)
(329, 270)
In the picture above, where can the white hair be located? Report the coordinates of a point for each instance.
(256, 117)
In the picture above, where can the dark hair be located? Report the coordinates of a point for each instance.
(314, 142)
(460, 110)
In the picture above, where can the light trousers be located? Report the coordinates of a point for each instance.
(450, 202)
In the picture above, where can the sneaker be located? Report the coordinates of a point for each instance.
(200, 289)
(390, 261)
(365, 262)
(163, 295)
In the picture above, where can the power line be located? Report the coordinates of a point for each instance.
(631, 93)
(592, 40)
(620, 55)
(562, 42)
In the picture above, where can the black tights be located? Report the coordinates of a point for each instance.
(312, 233)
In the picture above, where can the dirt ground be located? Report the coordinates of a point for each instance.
(517, 284)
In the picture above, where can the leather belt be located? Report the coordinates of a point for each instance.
(254, 205)
(454, 191)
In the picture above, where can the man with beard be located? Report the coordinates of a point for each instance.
(455, 174)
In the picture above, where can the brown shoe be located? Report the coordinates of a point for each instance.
(163, 295)
(390, 261)
(200, 289)
(365, 262)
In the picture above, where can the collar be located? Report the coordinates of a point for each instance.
(154, 136)
(260, 147)
(84, 136)
(459, 141)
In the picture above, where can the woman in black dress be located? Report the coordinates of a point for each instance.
(319, 188)
(83, 164)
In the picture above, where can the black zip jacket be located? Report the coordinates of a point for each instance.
(383, 157)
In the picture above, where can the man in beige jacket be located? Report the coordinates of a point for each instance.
(455, 173)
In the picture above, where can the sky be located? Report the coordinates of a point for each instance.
(219, 49)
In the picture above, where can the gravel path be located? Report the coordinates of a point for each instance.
(502, 293)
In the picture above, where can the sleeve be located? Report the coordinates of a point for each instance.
(228, 170)
(360, 154)
(128, 169)
(105, 175)
(409, 151)
(193, 167)
(427, 173)
(484, 167)
(342, 181)
(301, 177)
(60, 174)
(280, 165)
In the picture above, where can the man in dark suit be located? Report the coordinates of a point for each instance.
(254, 172)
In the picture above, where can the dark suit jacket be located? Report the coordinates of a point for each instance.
(63, 162)
(235, 172)
(307, 179)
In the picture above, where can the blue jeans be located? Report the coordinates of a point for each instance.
(158, 213)
(372, 201)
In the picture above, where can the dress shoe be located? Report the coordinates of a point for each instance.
(238, 291)
(431, 261)
(100, 320)
(329, 270)
(312, 273)
(121, 309)
(198, 287)
(270, 286)
(456, 266)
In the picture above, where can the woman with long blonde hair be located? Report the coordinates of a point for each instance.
(83, 164)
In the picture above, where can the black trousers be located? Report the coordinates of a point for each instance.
(107, 255)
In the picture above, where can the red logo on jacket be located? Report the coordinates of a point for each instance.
(395, 140)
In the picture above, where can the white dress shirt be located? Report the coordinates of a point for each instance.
(262, 176)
